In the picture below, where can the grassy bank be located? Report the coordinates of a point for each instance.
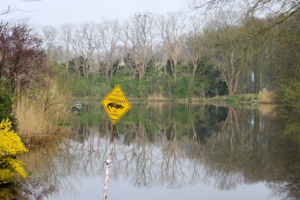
(241, 98)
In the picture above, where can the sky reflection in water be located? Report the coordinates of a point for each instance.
(168, 151)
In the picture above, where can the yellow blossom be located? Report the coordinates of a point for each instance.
(15, 165)
(5, 175)
(10, 142)
(10, 145)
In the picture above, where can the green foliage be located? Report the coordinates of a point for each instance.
(79, 86)
(289, 94)
(6, 102)
(180, 87)
(132, 88)
(152, 85)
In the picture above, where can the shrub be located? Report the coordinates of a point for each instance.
(5, 103)
(22, 60)
(10, 145)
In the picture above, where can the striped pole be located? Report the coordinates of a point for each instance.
(108, 161)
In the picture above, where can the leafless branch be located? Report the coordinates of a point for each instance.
(10, 9)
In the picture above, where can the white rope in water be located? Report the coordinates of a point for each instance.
(108, 161)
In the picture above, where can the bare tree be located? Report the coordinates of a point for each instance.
(49, 35)
(110, 34)
(139, 36)
(228, 56)
(128, 54)
(98, 57)
(175, 25)
(281, 10)
(162, 26)
(83, 42)
(194, 43)
(66, 40)
(77, 55)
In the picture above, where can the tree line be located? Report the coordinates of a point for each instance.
(176, 55)
(151, 54)
(173, 56)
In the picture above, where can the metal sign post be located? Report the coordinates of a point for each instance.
(108, 161)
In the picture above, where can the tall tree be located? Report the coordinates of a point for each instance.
(228, 55)
(139, 39)
(194, 43)
(175, 27)
(110, 34)
(66, 40)
(281, 10)
(83, 42)
(49, 37)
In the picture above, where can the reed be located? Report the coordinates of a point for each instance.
(267, 97)
(40, 113)
(156, 96)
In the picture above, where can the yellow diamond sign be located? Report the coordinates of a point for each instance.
(116, 104)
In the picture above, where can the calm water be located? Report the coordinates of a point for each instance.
(173, 151)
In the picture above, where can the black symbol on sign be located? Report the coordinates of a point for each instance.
(114, 105)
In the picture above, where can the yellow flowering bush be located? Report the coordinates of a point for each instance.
(10, 145)
(10, 142)
(15, 165)
(5, 175)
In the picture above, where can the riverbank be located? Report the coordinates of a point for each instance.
(265, 98)
(242, 98)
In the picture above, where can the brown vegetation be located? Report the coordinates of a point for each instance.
(267, 97)
(41, 113)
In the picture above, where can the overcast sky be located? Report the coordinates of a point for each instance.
(57, 12)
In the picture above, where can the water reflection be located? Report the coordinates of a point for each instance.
(174, 146)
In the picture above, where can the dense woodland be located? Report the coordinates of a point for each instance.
(172, 56)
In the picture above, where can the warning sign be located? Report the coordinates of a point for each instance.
(116, 104)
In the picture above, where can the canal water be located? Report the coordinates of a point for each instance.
(172, 151)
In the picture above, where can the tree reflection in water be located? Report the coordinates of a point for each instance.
(175, 145)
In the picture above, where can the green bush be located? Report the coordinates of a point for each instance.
(6, 102)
